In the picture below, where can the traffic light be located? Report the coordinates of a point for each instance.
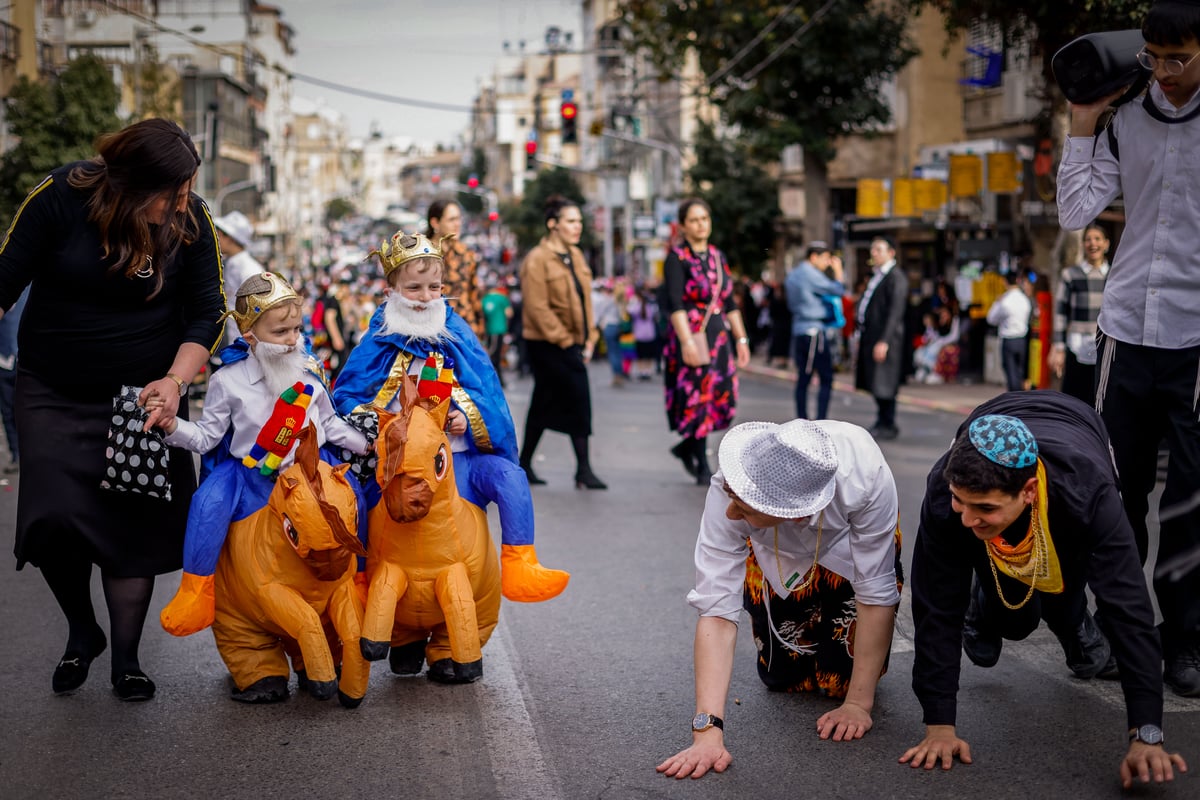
(472, 181)
(493, 216)
(570, 117)
(531, 154)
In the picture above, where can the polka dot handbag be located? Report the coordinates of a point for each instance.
(135, 460)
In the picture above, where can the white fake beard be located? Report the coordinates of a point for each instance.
(282, 365)
(425, 321)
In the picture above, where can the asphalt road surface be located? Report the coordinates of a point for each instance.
(581, 696)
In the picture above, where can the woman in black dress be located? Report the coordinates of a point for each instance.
(560, 334)
(701, 393)
(125, 279)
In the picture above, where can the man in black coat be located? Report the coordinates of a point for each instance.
(880, 365)
(1019, 516)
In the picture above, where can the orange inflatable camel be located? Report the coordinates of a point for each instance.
(285, 587)
(433, 575)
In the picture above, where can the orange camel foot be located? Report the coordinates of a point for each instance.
(524, 580)
(192, 608)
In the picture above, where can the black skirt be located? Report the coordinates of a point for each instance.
(562, 400)
(61, 510)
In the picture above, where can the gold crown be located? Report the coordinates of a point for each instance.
(405, 247)
(276, 291)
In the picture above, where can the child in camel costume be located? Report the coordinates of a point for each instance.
(412, 327)
(267, 390)
(434, 584)
(285, 587)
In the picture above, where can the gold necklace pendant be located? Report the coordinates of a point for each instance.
(147, 269)
(1033, 568)
(812, 571)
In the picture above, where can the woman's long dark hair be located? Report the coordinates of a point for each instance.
(136, 166)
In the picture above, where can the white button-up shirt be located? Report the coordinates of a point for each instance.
(856, 541)
(1153, 287)
(238, 398)
(1010, 314)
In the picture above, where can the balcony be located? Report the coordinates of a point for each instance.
(9, 46)
(1014, 101)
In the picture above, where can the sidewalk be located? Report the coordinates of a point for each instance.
(956, 398)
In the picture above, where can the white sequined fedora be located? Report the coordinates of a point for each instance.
(785, 471)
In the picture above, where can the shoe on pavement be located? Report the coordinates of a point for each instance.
(133, 685)
(1087, 650)
(1182, 671)
(884, 432)
(981, 646)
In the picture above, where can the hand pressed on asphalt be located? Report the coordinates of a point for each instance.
(941, 743)
(706, 753)
(1147, 761)
(847, 721)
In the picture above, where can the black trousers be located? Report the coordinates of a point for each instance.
(1014, 357)
(1079, 380)
(1149, 396)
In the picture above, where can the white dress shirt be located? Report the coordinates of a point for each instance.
(878, 276)
(1010, 313)
(857, 539)
(1153, 287)
(238, 399)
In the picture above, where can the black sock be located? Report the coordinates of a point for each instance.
(128, 601)
(700, 450)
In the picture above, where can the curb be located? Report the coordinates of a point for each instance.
(950, 401)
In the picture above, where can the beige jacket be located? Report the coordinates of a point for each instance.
(550, 309)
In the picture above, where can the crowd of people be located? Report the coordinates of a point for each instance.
(1041, 496)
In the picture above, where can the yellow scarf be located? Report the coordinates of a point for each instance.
(1031, 561)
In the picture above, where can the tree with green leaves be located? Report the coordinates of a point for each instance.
(744, 199)
(804, 72)
(527, 219)
(57, 122)
(338, 209)
(1047, 26)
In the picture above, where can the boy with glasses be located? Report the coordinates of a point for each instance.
(1149, 356)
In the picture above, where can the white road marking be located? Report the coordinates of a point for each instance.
(517, 761)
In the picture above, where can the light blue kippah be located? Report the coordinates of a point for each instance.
(1004, 440)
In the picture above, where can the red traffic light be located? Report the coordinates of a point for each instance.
(493, 216)
(436, 177)
(569, 110)
(473, 182)
(531, 147)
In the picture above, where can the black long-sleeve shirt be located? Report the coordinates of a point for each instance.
(1091, 535)
(86, 331)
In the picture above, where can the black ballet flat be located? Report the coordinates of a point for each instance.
(133, 686)
(72, 669)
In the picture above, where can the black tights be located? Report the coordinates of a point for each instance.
(579, 443)
(128, 601)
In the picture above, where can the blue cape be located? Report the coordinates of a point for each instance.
(371, 361)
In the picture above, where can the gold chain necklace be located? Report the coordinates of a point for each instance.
(1034, 565)
(812, 572)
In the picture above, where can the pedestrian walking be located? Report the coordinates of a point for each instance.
(808, 288)
(560, 335)
(126, 290)
(1010, 314)
(1149, 359)
(880, 324)
(701, 366)
(800, 530)
(1020, 516)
